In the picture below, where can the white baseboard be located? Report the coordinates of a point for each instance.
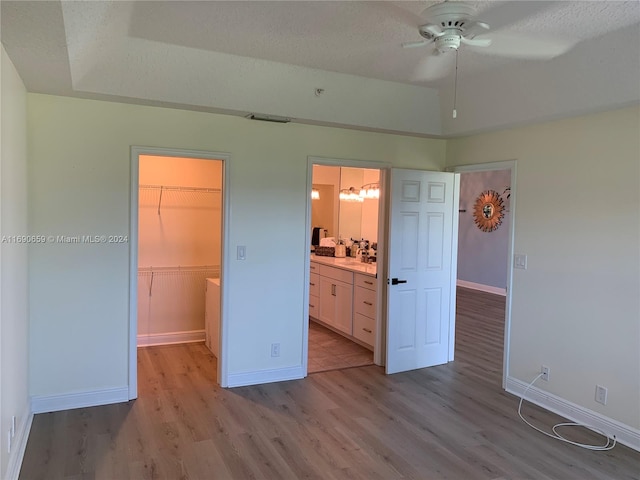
(67, 401)
(19, 445)
(170, 338)
(484, 288)
(624, 434)
(265, 376)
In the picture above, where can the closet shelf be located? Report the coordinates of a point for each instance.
(179, 269)
(181, 189)
(174, 188)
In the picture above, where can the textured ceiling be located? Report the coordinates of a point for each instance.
(250, 56)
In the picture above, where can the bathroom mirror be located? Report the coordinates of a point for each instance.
(351, 219)
(324, 209)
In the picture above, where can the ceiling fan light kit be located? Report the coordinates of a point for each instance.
(447, 42)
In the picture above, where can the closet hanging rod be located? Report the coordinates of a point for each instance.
(174, 188)
(182, 189)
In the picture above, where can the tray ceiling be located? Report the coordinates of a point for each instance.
(270, 57)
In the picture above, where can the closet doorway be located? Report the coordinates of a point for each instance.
(176, 268)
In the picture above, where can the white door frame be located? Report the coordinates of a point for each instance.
(384, 167)
(136, 151)
(492, 166)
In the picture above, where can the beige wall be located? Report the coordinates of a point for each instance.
(79, 182)
(186, 231)
(576, 307)
(14, 301)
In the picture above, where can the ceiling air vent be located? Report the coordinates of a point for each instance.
(268, 118)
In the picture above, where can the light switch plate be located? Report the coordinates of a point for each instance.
(242, 252)
(520, 261)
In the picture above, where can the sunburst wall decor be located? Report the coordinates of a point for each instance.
(488, 211)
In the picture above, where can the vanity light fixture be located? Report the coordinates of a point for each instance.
(315, 194)
(370, 190)
(350, 195)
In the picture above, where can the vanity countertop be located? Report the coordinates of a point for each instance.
(347, 263)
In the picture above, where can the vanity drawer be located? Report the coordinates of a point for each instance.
(364, 329)
(336, 274)
(365, 281)
(314, 267)
(364, 302)
(314, 284)
(314, 306)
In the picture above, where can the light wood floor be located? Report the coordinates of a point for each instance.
(452, 421)
(329, 350)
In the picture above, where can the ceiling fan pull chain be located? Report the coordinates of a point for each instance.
(455, 88)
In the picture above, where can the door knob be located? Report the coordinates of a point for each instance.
(395, 281)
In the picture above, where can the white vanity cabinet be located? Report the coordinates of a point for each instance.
(314, 290)
(342, 296)
(336, 298)
(364, 309)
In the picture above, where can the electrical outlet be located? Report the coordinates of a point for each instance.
(601, 394)
(544, 370)
(275, 349)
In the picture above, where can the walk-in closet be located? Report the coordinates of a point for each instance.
(179, 250)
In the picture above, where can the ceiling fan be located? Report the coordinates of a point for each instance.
(452, 25)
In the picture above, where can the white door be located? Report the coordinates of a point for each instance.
(422, 269)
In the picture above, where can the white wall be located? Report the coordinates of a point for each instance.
(14, 303)
(79, 179)
(576, 308)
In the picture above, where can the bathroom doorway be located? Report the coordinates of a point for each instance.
(345, 221)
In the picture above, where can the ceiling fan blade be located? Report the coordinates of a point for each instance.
(505, 14)
(518, 45)
(400, 14)
(433, 67)
(475, 28)
(418, 43)
(476, 42)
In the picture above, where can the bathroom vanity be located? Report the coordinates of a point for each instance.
(343, 297)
